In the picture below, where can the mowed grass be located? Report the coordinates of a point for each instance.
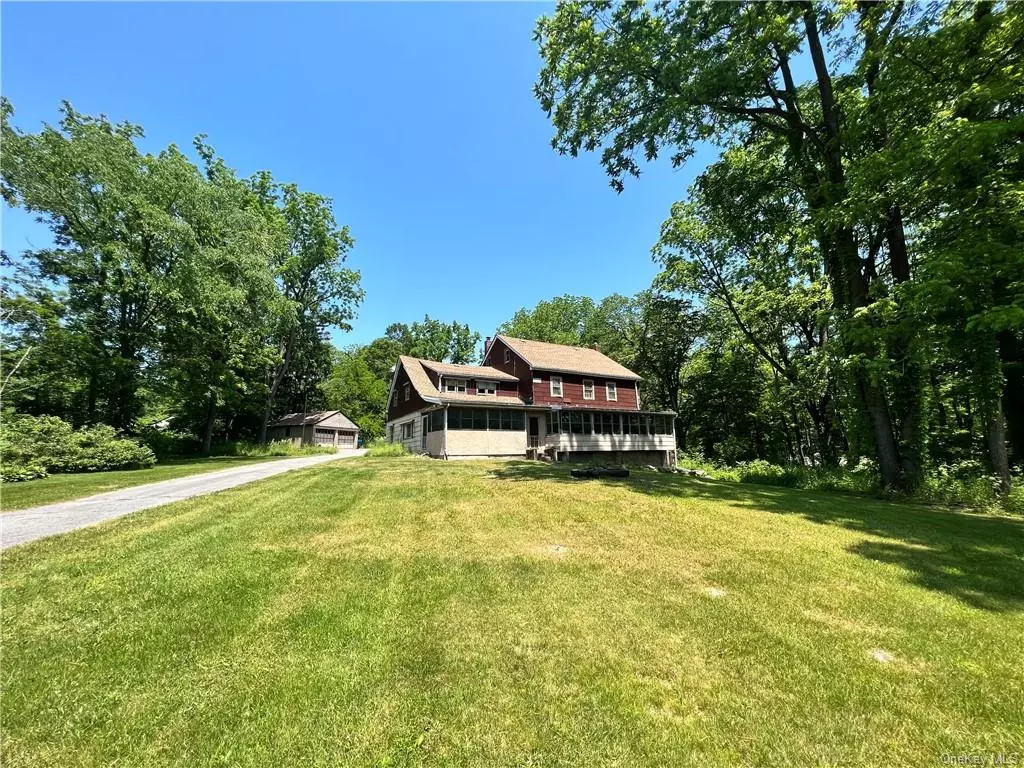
(383, 612)
(47, 490)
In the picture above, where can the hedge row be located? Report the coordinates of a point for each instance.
(35, 446)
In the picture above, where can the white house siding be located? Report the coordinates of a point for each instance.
(625, 449)
(415, 443)
(464, 443)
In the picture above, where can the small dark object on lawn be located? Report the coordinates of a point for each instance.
(595, 472)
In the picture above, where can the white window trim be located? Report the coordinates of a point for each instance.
(552, 384)
(593, 392)
(412, 429)
(407, 392)
(508, 356)
(454, 385)
(611, 391)
(483, 385)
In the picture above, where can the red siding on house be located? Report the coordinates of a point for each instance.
(572, 392)
(404, 407)
(503, 389)
(516, 367)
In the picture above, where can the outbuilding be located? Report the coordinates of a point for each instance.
(331, 428)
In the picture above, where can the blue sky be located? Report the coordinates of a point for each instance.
(417, 119)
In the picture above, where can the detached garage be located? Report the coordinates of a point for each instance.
(332, 428)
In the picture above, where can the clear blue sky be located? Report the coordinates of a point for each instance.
(417, 119)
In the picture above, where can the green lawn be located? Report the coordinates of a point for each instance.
(47, 490)
(413, 612)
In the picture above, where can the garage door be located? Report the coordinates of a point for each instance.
(348, 439)
(323, 437)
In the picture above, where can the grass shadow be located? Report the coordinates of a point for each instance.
(977, 559)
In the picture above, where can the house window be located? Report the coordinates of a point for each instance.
(407, 392)
(407, 428)
(287, 431)
(663, 425)
(505, 420)
(556, 386)
(604, 423)
(508, 356)
(391, 433)
(611, 391)
(486, 418)
(454, 385)
(588, 389)
(486, 387)
(538, 380)
(436, 421)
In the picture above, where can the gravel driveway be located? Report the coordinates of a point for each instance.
(52, 519)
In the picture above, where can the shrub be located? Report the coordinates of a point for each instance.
(32, 446)
(169, 442)
(964, 484)
(272, 448)
(382, 448)
(11, 473)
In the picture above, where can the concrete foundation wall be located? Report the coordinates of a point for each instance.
(654, 458)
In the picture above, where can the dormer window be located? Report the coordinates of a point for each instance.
(454, 385)
(486, 387)
(556, 386)
(588, 389)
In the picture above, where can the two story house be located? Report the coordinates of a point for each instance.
(527, 399)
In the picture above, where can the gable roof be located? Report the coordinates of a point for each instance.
(414, 369)
(467, 371)
(312, 417)
(561, 358)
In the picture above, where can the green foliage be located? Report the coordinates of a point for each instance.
(354, 389)
(35, 446)
(962, 485)
(168, 442)
(382, 448)
(172, 286)
(861, 230)
(433, 339)
(269, 448)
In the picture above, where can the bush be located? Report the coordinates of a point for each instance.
(169, 442)
(382, 448)
(11, 473)
(33, 446)
(964, 484)
(272, 448)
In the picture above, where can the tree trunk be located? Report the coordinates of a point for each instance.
(995, 435)
(279, 374)
(211, 415)
(886, 449)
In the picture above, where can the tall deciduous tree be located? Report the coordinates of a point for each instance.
(318, 290)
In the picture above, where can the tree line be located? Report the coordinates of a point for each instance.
(174, 290)
(857, 243)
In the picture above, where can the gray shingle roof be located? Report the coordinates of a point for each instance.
(562, 358)
(425, 387)
(312, 417)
